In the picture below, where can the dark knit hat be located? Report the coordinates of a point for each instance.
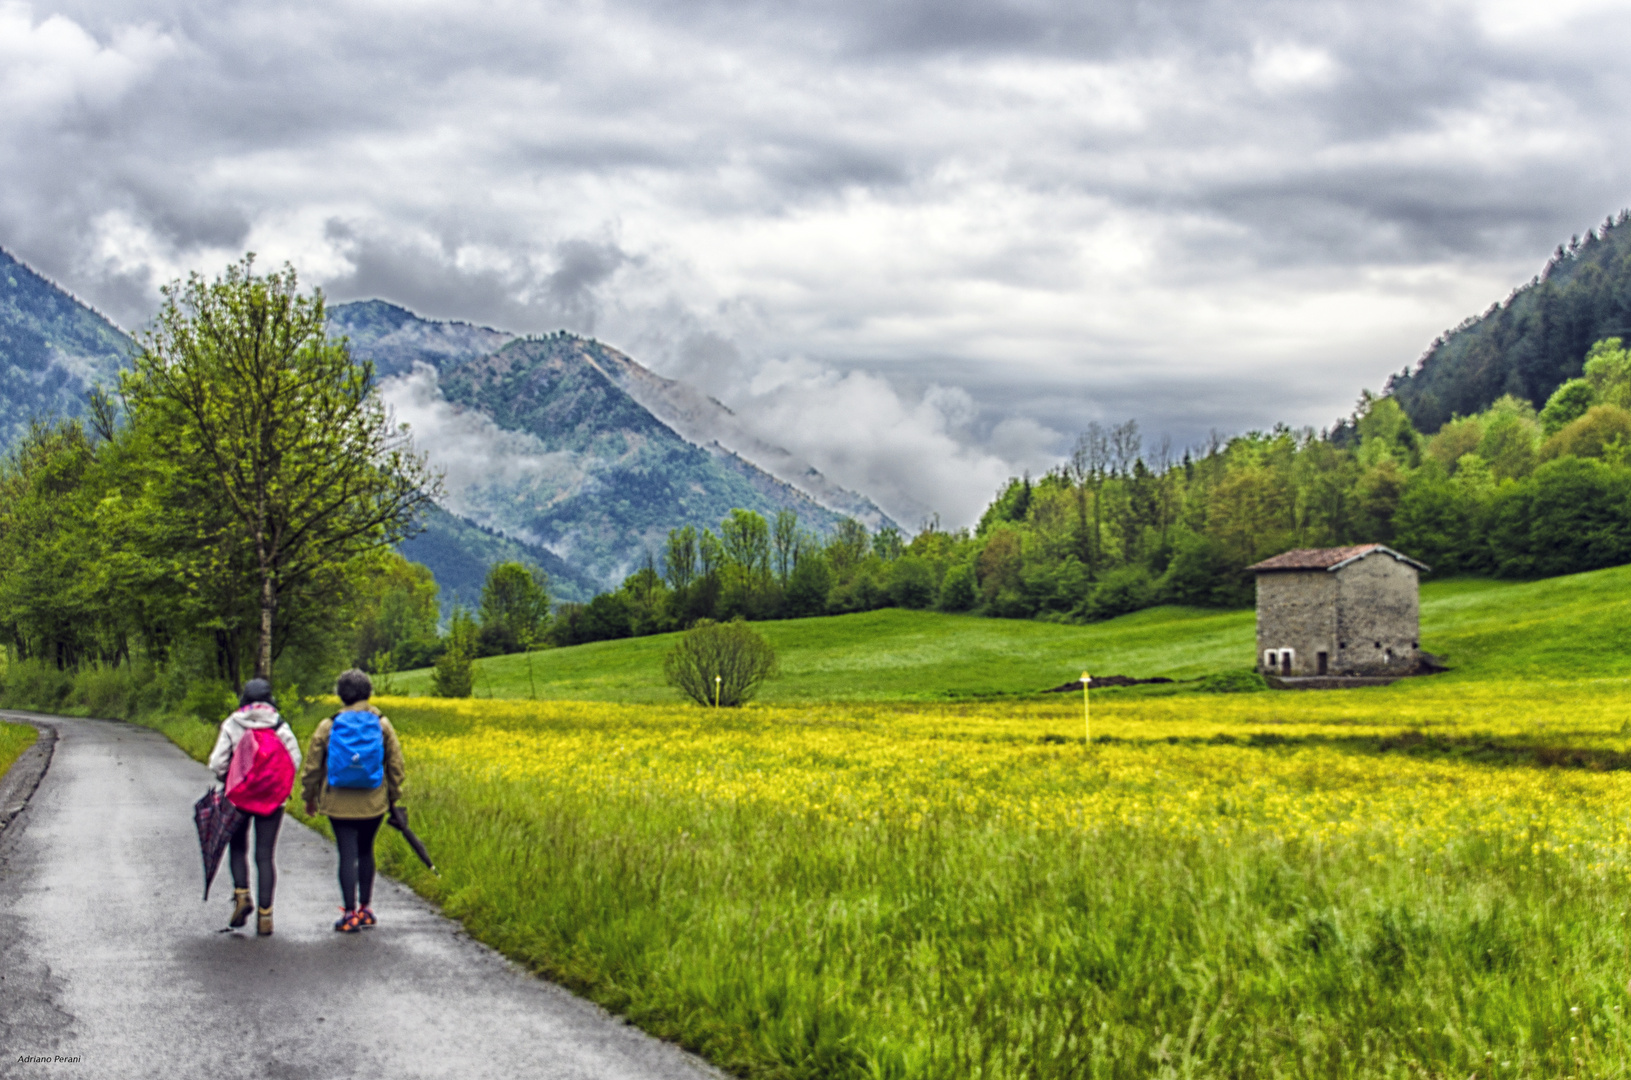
(255, 690)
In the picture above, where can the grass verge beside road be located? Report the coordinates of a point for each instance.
(14, 739)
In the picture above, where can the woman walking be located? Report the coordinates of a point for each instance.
(353, 774)
(256, 757)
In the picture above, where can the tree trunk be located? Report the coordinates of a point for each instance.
(263, 655)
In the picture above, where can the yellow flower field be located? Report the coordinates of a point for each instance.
(1428, 877)
(1153, 768)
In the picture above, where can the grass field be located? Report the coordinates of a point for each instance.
(1427, 879)
(14, 739)
(1485, 629)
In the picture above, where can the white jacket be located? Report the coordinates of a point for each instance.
(254, 716)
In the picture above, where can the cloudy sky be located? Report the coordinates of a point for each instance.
(923, 244)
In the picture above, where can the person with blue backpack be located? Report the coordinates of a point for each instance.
(353, 774)
(255, 757)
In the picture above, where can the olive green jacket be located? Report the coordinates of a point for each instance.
(351, 802)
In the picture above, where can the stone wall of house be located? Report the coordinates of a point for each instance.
(1378, 624)
(1296, 610)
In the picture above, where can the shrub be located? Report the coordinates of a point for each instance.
(209, 700)
(911, 583)
(35, 684)
(454, 674)
(108, 692)
(1124, 589)
(1233, 682)
(1202, 574)
(958, 591)
(808, 588)
(721, 663)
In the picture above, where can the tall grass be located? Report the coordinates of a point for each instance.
(709, 898)
(14, 739)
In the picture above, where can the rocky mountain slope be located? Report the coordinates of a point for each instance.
(53, 348)
(558, 464)
(594, 456)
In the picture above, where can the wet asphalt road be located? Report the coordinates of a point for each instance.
(108, 955)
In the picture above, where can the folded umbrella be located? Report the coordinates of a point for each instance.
(216, 819)
(399, 821)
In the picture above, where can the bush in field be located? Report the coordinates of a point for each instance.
(730, 652)
(454, 674)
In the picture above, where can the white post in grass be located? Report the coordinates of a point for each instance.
(1087, 716)
(717, 680)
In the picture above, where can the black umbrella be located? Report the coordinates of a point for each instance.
(399, 821)
(216, 819)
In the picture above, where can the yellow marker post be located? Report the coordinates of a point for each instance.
(1087, 715)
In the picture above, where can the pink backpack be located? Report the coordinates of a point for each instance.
(261, 774)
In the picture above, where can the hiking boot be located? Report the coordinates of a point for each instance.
(365, 916)
(349, 923)
(241, 907)
(263, 922)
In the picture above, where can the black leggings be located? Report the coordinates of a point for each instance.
(266, 830)
(355, 839)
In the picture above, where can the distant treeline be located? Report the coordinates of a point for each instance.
(1509, 492)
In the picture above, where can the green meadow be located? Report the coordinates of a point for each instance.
(1553, 628)
(903, 861)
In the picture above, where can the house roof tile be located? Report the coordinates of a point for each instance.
(1327, 558)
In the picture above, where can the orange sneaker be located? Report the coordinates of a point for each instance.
(349, 923)
(366, 917)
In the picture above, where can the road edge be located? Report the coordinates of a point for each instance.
(24, 776)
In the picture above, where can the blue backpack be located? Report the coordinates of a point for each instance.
(356, 751)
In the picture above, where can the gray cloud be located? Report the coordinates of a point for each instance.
(1203, 213)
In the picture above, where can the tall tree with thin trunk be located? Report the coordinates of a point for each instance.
(238, 380)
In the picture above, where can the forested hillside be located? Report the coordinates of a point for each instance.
(52, 350)
(1532, 343)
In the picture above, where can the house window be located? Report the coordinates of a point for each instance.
(1323, 661)
(1271, 660)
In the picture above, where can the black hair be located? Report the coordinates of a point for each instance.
(255, 690)
(354, 686)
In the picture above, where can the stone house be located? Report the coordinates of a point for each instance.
(1347, 611)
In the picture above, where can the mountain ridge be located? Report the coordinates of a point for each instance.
(54, 348)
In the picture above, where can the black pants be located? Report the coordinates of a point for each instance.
(355, 839)
(266, 830)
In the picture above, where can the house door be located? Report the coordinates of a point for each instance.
(1285, 662)
(1323, 661)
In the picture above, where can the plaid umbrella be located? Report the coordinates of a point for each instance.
(216, 819)
(398, 820)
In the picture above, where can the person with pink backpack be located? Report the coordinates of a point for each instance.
(256, 756)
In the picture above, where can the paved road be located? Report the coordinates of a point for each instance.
(108, 955)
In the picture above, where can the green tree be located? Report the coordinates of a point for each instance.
(397, 615)
(680, 557)
(785, 542)
(238, 381)
(454, 674)
(514, 609)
